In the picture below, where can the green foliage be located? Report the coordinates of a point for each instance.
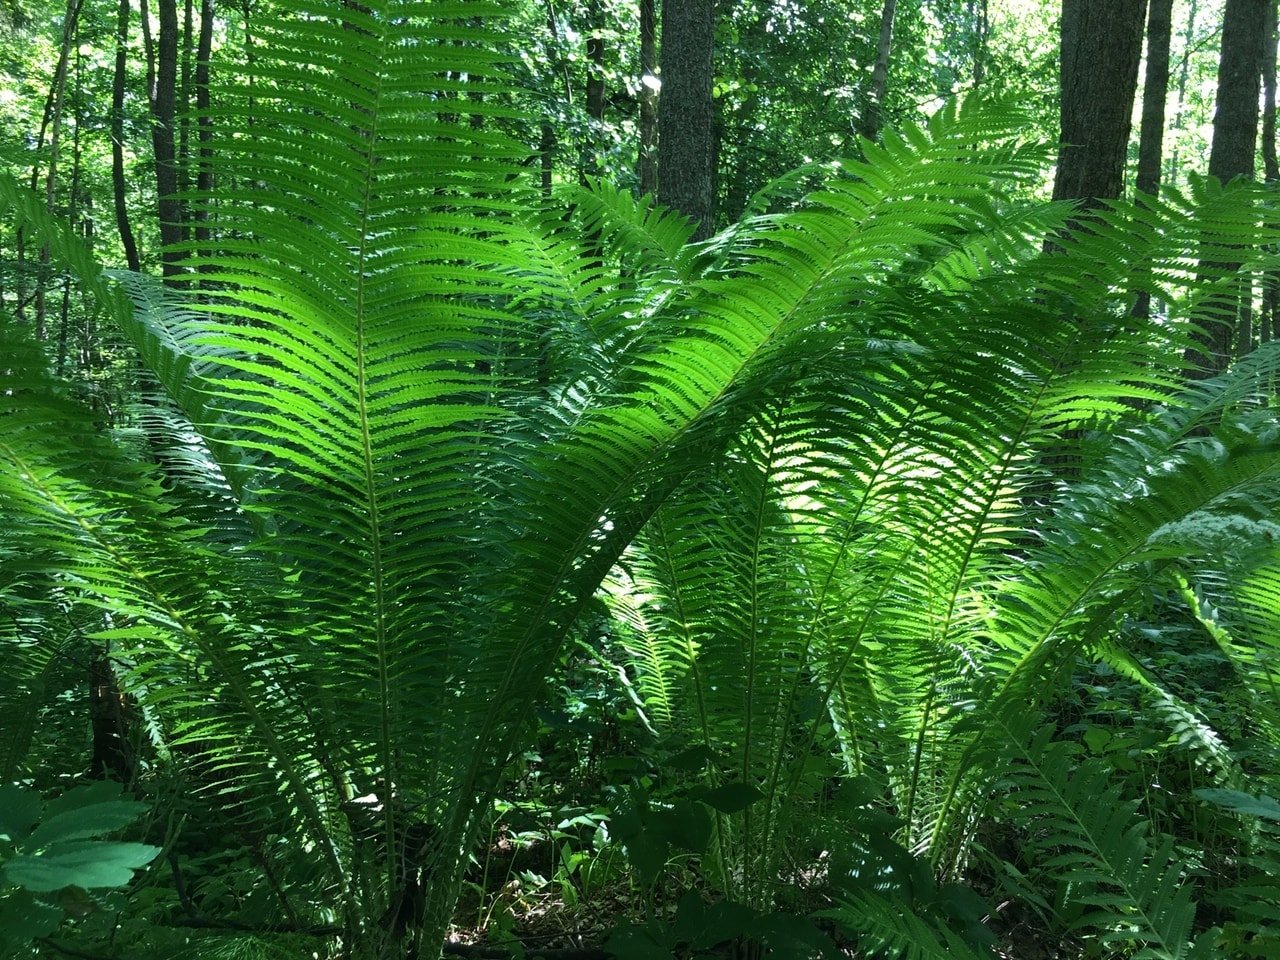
(52, 854)
(860, 478)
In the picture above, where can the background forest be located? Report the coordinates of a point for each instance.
(611, 478)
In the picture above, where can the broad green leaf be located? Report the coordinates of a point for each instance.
(85, 795)
(19, 809)
(83, 823)
(23, 917)
(1265, 807)
(88, 864)
(732, 797)
(692, 759)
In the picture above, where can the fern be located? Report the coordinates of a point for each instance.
(1131, 885)
(417, 417)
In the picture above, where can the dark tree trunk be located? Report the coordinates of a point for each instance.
(73, 211)
(163, 111)
(1155, 92)
(1100, 50)
(117, 138)
(648, 161)
(52, 124)
(1231, 155)
(1184, 71)
(1269, 322)
(204, 123)
(980, 16)
(1270, 166)
(1235, 122)
(686, 112)
(595, 88)
(880, 73)
(186, 96)
(549, 141)
(108, 720)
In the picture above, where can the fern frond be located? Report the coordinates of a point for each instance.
(1094, 839)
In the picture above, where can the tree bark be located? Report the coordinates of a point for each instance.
(595, 88)
(880, 73)
(981, 30)
(109, 722)
(204, 123)
(1235, 122)
(186, 96)
(1155, 93)
(1100, 50)
(1184, 71)
(1231, 155)
(686, 128)
(163, 111)
(52, 123)
(1269, 321)
(647, 164)
(117, 139)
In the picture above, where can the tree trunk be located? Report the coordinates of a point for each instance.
(112, 755)
(595, 89)
(1155, 92)
(73, 211)
(686, 128)
(1235, 122)
(117, 138)
(981, 30)
(52, 123)
(1231, 155)
(204, 123)
(1184, 71)
(1100, 50)
(647, 165)
(163, 111)
(1269, 321)
(880, 73)
(185, 96)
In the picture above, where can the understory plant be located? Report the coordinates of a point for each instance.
(861, 476)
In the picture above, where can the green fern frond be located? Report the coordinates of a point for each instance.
(1133, 886)
(887, 928)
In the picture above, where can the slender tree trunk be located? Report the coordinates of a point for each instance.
(204, 123)
(1231, 155)
(981, 29)
(185, 97)
(686, 112)
(549, 141)
(53, 124)
(73, 208)
(1100, 50)
(1269, 321)
(108, 719)
(590, 161)
(163, 111)
(117, 138)
(648, 159)
(1184, 71)
(546, 156)
(1155, 92)
(595, 89)
(880, 73)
